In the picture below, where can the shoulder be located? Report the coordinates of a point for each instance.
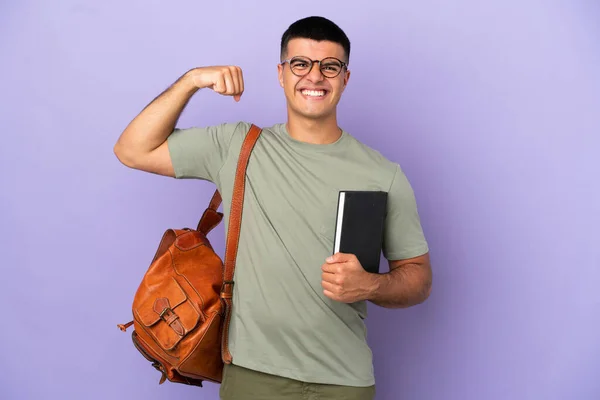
(373, 159)
(237, 132)
(243, 127)
(234, 132)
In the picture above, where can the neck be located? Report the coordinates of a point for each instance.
(314, 131)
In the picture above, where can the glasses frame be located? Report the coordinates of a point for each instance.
(312, 63)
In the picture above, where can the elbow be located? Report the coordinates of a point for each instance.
(426, 290)
(426, 293)
(426, 283)
(117, 151)
(123, 155)
(419, 298)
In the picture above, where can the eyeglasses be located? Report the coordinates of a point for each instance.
(301, 66)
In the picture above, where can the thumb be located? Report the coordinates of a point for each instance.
(339, 258)
(237, 97)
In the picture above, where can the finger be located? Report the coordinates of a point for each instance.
(329, 286)
(241, 77)
(235, 79)
(329, 290)
(228, 82)
(337, 281)
(329, 268)
(239, 81)
(340, 258)
(328, 277)
(219, 85)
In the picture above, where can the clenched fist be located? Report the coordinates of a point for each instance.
(225, 80)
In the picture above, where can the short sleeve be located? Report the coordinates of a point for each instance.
(403, 234)
(200, 152)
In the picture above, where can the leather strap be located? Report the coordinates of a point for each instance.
(211, 217)
(215, 202)
(233, 234)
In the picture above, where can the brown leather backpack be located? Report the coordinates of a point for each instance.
(182, 308)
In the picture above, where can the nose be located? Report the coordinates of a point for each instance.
(315, 74)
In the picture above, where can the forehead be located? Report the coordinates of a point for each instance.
(313, 49)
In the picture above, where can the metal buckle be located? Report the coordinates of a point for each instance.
(227, 292)
(164, 311)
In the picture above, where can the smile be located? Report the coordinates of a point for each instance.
(313, 93)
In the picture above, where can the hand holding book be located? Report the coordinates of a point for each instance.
(344, 279)
(360, 226)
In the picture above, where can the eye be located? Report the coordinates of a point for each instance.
(332, 67)
(299, 64)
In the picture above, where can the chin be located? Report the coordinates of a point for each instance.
(312, 114)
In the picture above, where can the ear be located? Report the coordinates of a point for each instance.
(280, 74)
(346, 78)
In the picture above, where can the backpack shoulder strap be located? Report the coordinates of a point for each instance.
(233, 233)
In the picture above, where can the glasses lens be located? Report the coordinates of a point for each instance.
(331, 67)
(300, 65)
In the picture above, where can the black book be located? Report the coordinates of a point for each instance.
(359, 226)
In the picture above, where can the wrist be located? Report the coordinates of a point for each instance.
(373, 284)
(193, 79)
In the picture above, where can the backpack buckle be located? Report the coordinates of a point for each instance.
(227, 290)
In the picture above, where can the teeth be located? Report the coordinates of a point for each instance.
(314, 93)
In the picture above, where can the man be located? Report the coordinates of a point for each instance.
(297, 327)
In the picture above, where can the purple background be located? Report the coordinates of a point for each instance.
(490, 107)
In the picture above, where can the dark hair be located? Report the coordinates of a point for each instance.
(315, 28)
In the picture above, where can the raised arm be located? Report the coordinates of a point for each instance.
(143, 143)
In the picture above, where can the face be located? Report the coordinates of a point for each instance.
(312, 96)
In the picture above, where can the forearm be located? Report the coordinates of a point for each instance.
(152, 126)
(402, 287)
